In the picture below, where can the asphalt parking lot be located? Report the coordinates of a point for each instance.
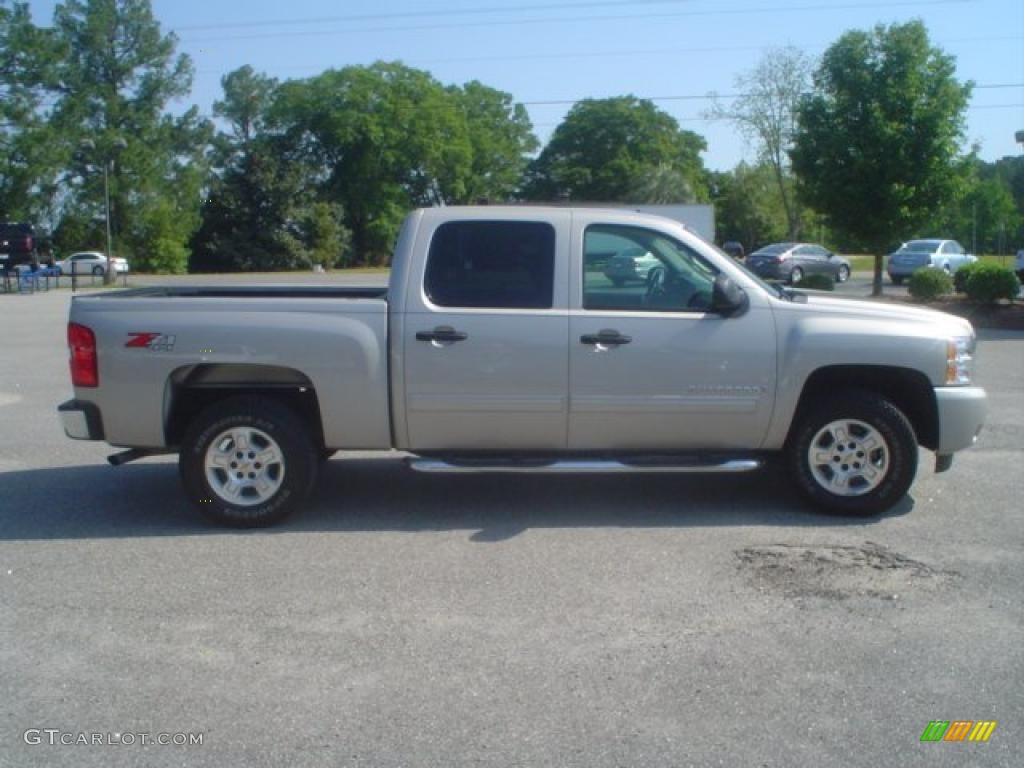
(409, 620)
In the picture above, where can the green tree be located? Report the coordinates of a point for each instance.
(258, 199)
(112, 89)
(501, 140)
(605, 148)
(747, 206)
(877, 141)
(329, 240)
(765, 111)
(30, 153)
(380, 140)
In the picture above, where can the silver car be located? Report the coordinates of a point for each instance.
(630, 265)
(947, 255)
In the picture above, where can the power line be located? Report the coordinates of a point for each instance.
(709, 96)
(603, 54)
(557, 19)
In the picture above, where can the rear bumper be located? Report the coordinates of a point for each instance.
(962, 412)
(81, 421)
(770, 271)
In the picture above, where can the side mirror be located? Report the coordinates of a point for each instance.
(830, 255)
(727, 298)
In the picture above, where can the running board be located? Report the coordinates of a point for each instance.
(582, 466)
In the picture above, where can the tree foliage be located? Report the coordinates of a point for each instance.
(29, 146)
(606, 149)
(747, 206)
(766, 111)
(877, 141)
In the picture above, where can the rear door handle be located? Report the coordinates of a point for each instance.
(606, 338)
(442, 334)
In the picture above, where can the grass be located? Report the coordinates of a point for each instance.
(866, 263)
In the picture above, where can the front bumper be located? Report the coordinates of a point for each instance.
(81, 421)
(962, 412)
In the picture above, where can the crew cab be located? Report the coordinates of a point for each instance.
(500, 345)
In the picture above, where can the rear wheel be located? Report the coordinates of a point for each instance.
(796, 275)
(248, 462)
(896, 279)
(97, 271)
(853, 453)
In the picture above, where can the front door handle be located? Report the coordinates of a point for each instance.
(442, 334)
(606, 338)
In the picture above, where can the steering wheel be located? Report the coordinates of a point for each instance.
(656, 281)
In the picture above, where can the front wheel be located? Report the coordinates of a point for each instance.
(843, 274)
(796, 276)
(97, 271)
(248, 462)
(896, 279)
(854, 453)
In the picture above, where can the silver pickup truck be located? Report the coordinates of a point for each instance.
(501, 345)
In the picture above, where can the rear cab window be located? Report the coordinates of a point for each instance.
(491, 264)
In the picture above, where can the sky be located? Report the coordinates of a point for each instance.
(549, 54)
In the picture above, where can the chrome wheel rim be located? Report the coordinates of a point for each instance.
(796, 275)
(244, 466)
(848, 457)
(844, 274)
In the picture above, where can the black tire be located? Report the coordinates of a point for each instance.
(881, 415)
(300, 463)
(795, 275)
(618, 282)
(842, 274)
(896, 279)
(97, 271)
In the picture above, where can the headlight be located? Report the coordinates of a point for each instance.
(959, 360)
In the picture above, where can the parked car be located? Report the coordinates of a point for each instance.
(735, 249)
(790, 262)
(17, 245)
(630, 265)
(947, 255)
(90, 263)
(490, 351)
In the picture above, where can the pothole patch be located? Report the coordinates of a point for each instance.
(839, 572)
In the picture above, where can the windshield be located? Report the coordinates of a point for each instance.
(772, 250)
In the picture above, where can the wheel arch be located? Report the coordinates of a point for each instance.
(908, 389)
(192, 389)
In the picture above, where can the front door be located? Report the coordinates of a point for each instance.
(651, 369)
(485, 337)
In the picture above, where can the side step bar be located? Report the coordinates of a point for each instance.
(582, 466)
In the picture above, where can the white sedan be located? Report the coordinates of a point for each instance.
(90, 263)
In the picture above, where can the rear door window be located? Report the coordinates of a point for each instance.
(492, 264)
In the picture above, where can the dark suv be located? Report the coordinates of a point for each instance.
(17, 245)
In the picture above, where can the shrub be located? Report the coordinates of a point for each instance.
(818, 283)
(961, 275)
(929, 284)
(987, 283)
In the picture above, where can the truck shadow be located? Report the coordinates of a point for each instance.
(359, 495)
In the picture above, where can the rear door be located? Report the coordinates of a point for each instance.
(484, 334)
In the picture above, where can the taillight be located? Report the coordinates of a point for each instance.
(82, 344)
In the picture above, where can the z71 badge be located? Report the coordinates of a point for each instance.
(154, 342)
